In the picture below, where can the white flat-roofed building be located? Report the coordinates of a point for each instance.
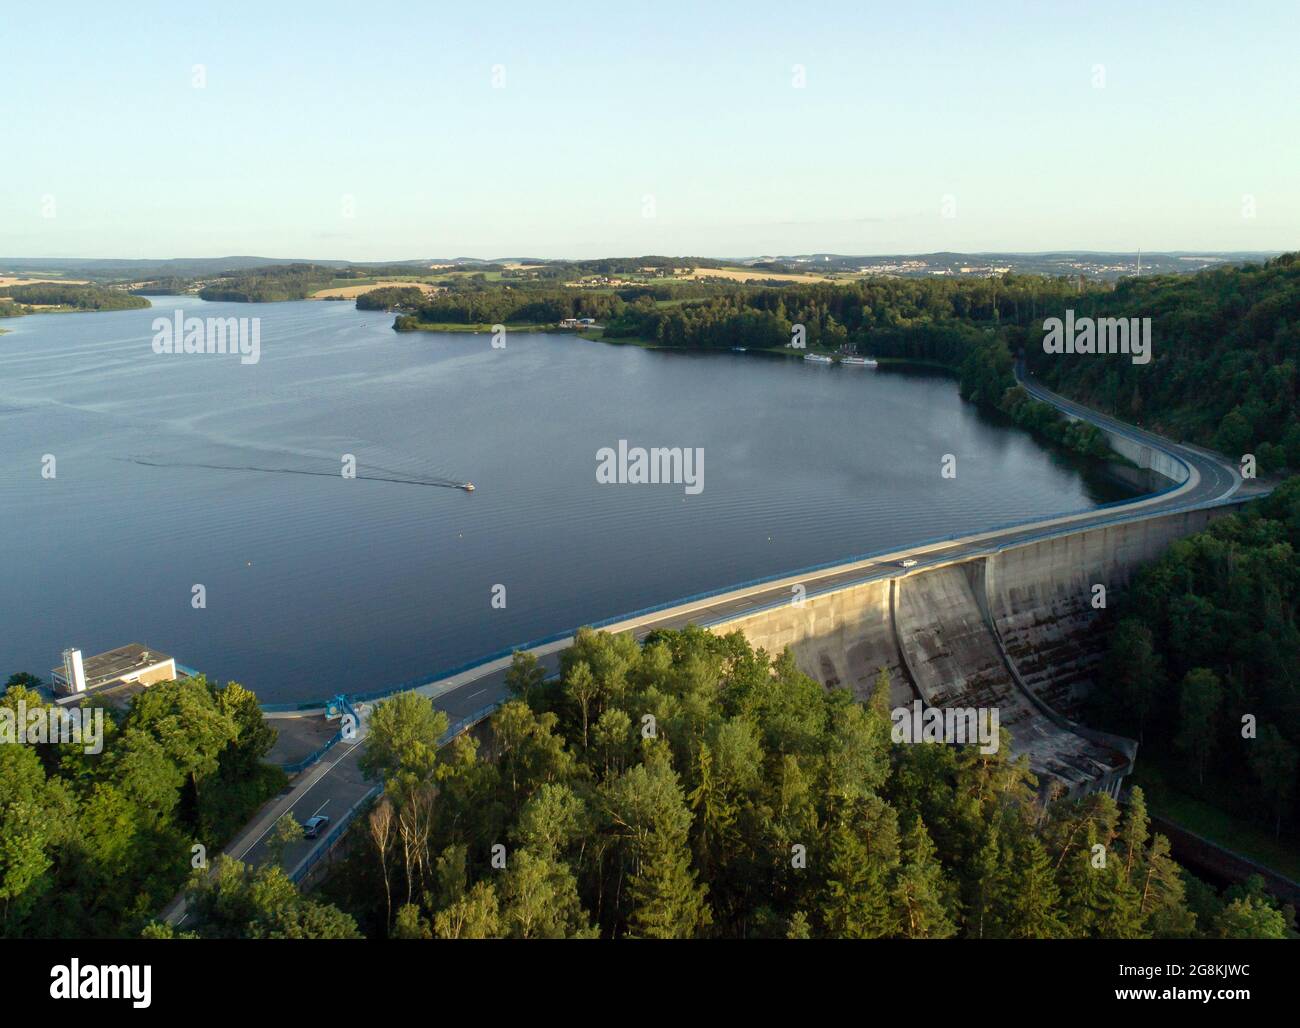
(130, 664)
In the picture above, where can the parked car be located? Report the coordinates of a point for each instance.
(313, 826)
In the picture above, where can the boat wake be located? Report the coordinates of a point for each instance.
(368, 473)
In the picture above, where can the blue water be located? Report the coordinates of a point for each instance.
(317, 584)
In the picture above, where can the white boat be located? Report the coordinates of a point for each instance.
(739, 349)
(818, 358)
(858, 362)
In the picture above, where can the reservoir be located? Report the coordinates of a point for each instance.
(173, 471)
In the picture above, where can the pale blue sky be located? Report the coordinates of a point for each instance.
(393, 105)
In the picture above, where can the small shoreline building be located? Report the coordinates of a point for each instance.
(132, 664)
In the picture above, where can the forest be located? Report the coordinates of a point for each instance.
(694, 787)
(1226, 345)
(94, 845)
(690, 787)
(277, 282)
(166, 285)
(510, 306)
(391, 298)
(1201, 663)
(14, 300)
(270, 284)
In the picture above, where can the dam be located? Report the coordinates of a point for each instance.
(1003, 619)
(1014, 629)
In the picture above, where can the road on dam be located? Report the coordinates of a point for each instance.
(335, 786)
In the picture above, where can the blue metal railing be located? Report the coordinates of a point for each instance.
(995, 547)
(333, 837)
(469, 721)
(294, 768)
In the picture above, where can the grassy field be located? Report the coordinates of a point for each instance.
(5, 282)
(455, 273)
(351, 288)
(758, 274)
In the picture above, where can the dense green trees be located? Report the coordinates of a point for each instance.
(1207, 635)
(402, 739)
(511, 306)
(269, 284)
(918, 318)
(94, 844)
(236, 901)
(694, 787)
(391, 298)
(1226, 344)
(77, 296)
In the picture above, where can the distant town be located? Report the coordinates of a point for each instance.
(133, 273)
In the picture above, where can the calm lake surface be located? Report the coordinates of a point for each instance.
(317, 584)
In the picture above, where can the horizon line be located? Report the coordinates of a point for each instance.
(678, 256)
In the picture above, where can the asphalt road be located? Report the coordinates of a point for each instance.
(335, 785)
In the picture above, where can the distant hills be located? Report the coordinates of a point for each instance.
(1092, 264)
(167, 267)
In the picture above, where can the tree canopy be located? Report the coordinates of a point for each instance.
(695, 787)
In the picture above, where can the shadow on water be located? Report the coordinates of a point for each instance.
(1104, 481)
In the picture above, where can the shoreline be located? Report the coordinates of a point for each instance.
(598, 335)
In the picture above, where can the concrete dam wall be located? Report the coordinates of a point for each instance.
(841, 638)
(1129, 445)
(1041, 599)
(1146, 456)
(1013, 629)
(956, 660)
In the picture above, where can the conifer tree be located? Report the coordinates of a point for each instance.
(921, 897)
(1032, 907)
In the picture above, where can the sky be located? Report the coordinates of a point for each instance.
(389, 131)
